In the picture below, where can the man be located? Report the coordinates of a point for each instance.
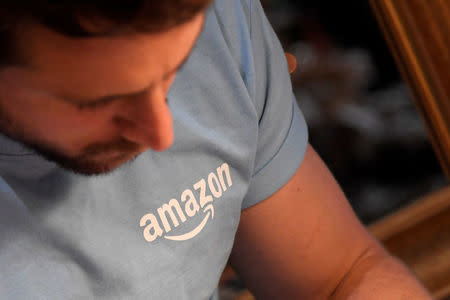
(187, 114)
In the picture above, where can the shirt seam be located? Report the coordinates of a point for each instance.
(281, 146)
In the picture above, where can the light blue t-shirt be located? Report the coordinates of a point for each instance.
(162, 226)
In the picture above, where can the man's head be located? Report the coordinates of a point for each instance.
(84, 83)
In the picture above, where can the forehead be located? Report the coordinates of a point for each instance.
(99, 65)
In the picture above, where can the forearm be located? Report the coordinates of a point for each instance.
(379, 276)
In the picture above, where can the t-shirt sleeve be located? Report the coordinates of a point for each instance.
(282, 135)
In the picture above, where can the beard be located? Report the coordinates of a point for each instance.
(94, 159)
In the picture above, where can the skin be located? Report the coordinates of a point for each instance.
(91, 104)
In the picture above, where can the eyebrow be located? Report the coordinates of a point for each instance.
(111, 98)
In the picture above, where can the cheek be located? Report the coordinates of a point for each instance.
(83, 127)
(69, 129)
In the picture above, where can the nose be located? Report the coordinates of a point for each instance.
(147, 120)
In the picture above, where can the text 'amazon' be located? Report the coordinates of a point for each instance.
(192, 200)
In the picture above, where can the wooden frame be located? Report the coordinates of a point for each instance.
(419, 235)
(418, 33)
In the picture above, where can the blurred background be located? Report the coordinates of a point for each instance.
(361, 116)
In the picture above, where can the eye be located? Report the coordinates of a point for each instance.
(88, 106)
(94, 105)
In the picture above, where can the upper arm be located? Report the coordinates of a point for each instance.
(301, 240)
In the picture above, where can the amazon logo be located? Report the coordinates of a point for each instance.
(192, 201)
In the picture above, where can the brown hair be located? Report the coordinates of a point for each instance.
(64, 16)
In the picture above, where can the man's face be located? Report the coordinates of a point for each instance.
(92, 104)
